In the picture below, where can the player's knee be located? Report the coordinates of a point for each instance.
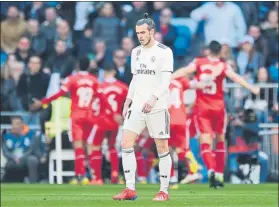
(77, 144)
(91, 148)
(162, 145)
(220, 138)
(206, 138)
(179, 150)
(128, 140)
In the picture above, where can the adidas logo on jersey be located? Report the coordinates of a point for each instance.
(161, 133)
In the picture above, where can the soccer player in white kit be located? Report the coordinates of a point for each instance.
(146, 105)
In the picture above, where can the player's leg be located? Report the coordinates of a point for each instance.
(204, 127)
(114, 160)
(133, 125)
(158, 125)
(220, 152)
(75, 136)
(94, 142)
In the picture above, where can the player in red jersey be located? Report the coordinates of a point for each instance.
(82, 87)
(178, 124)
(115, 93)
(210, 107)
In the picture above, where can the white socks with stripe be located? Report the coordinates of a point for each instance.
(165, 163)
(129, 164)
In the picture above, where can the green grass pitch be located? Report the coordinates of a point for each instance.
(195, 195)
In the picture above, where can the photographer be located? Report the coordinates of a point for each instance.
(244, 144)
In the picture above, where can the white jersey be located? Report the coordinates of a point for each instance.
(147, 65)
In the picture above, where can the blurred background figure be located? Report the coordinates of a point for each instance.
(18, 148)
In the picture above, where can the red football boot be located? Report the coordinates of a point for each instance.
(126, 194)
(161, 196)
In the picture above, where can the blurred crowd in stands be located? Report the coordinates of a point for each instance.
(41, 39)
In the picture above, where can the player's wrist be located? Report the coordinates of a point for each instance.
(154, 97)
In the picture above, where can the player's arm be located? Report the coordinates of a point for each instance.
(132, 86)
(159, 89)
(167, 70)
(131, 91)
(195, 84)
(240, 80)
(185, 71)
(63, 90)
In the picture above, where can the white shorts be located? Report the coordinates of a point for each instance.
(157, 123)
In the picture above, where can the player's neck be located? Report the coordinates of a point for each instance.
(150, 44)
(109, 76)
(213, 57)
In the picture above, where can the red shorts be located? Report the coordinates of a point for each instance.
(81, 123)
(178, 136)
(209, 121)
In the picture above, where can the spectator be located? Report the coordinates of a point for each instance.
(100, 53)
(133, 16)
(9, 98)
(66, 10)
(5, 71)
(36, 38)
(127, 46)
(166, 29)
(35, 10)
(18, 149)
(84, 44)
(61, 61)
(222, 20)
(248, 60)
(270, 30)
(265, 100)
(11, 30)
(63, 32)
(273, 72)
(33, 84)
(23, 51)
(250, 12)
(107, 26)
(82, 10)
(158, 6)
(183, 9)
(226, 51)
(159, 37)
(48, 27)
(260, 43)
(123, 70)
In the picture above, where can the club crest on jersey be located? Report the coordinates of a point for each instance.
(138, 52)
(153, 59)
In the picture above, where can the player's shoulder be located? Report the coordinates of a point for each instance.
(121, 84)
(137, 50)
(162, 46)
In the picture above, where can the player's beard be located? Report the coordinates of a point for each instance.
(148, 41)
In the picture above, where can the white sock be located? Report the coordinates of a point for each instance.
(129, 167)
(165, 163)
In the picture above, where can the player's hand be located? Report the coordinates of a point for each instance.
(255, 90)
(118, 119)
(125, 110)
(36, 105)
(147, 107)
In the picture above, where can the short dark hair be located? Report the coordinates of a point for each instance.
(146, 20)
(83, 63)
(109, 67)
(215, 47)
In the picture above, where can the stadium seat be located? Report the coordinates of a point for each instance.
(65, 155)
